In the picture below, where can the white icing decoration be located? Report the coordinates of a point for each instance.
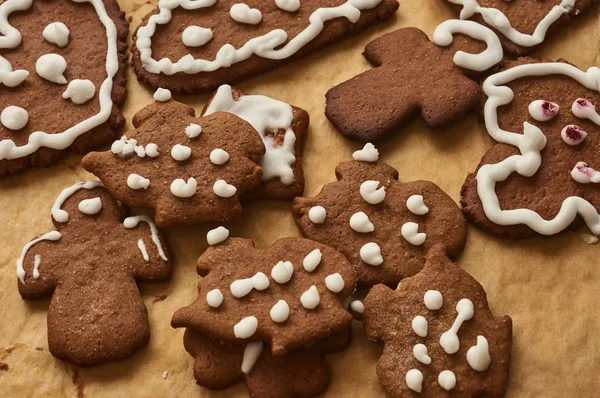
(242, 13)
(196, 36)
(370, 253)
(410, 232)
(251, 354)
(542, 111)
(334, 282)
(61, 215)
(370, 193)
(90, 206)
(414, 380)
(14, 117)
(310, 298)
(478, 356)
(8, 77)
(573, 135)
(419, 326)
(214, 298)
(193, 130)
(37, 260)
(125, 147)
(52, 67)
(433, 300)
(443, 36)
(223, 189)
(288, 5)
(241, 287)
(181, 152)
(265, 114)
(449, 339)
(246, 327)
(52, 236)
(80, 91)
(280, 312)
(357, 306)
(219, 157)
(183, 189)
(447, 380)
(162, 95)
(584, 174)
(136, 181)
(317, 214)
(416, 205)
(421, 354)
(152, 150)
(584, 109)
(368, 154)
(56, 33)
(282, 272)
(133, 221)
(217, 235)
(360, 223)
(312, 260)
(143, 250)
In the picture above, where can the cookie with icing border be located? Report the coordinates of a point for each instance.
(440, 337)
(283, 129)
(522, 25)
(188, 169)
(89, 267)
(289, 295)
(62, 77)
(385, 227)
(301, 373)
(540, 177)
(414, 76)
(194, 46)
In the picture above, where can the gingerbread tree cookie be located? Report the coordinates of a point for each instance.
(89, 267)
(289, 295)
(439, 334)
(383, 226)
(188, 169)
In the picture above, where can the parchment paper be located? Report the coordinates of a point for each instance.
(549, 286)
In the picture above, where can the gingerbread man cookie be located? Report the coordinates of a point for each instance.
(188, 169)
(89, 267)
(440, 337)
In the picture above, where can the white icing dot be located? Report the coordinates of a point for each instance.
(421, 354)
(217, 235)
(245, 328)
(368, 154)
(242, 13)
(543, 111)
(288, 5)
(317, 214)
(125, 147)
(214, 298)
(312, 260)
(196, 36)
(310, 298)
(14, 117)
(80, 91)
(181, 152)
(416, 205)
(419, 326)
(223, 189)
(371, 254)
(433, 300)
(11, 78)
(282, 272)
(414, 380)
(357, 306)
(52, 67)
(193, 130)
(219, 156)
(162, 95)
(251, 354)
(370, 193)
(241, 287)
(573, 135)
(334, 282)
(410, 232)
(152, 150)
(447, 380)
(90, 206)
(478, 356)
(360, 223)
(280, 312)
(56, 33)
(183, 189)
(136, 181)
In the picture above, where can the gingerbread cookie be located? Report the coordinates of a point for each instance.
(522, 25)
(289, 295)
(191, 46)
(62, 77)
(383, 226)
(300, 373)
(541, 176)
(188, 169)
(440, 337)
(283, 129)
(413, 75)
(89, 267)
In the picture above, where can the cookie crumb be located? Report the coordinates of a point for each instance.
(3, 366)
(39, 348)
(160, 297)
(165, 374)
(589, 238)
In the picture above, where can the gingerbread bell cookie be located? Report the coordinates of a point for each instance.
(440, 337)
(541, 177)
(188, 169)
(89, 267)
(283, 129)
(191, 46)
(414, 75)
(383, 226)
(62, 78)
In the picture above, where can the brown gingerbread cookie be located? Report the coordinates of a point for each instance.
(283, 129)
(192, 46)
(289, 295)
(189, 170)
(541, 177)
(383, 226)
(440, 337)
(414, 75)
(300, 373)
(522, 25)
(89, 267)
(62, 78)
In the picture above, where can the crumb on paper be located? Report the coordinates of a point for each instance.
(165, 374)
(3, 366)
(39, 348)
(160, 297)
(79, 382)
(589, 238)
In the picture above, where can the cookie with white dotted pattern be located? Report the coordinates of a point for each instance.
(385, 227)
(89, 267)
(62, 79)
(440, 337)
(188, 169)
(289, 295)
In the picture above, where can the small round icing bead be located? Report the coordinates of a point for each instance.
(478, 356)
(584, 174)
(183, 189)
(410, 232)
(542, 111)
(419, 326)
(447, 380)
(433, 300)
(162, 95)
(135, 181)
(317, 214)
(242, 13)
(196, 36)
(371, 254)
(260, 281)
(217, 235)
(224, 190)
(357, 306)
(360, 222)
(416, 205)
(80, 91)
(246, 327)
(280, 312)
(282, 272)
(288, 5)
(334, 282)
(152, 150)
(252, 352)
(56, 33)
(219, 157)
(181, 152)
(310, 298)
(368, 154)
(90, 206)
(421, 354)
(370, 193)
(14, 117)
(573, 135)
(214, 298)
(414, 380)
(312, 260)
(193, 130)
(52, 67)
